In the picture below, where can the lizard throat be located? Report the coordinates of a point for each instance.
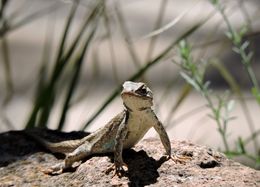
(139, 109)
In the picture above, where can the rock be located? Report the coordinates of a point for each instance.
(22, 162)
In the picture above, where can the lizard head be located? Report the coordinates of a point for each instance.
(136, 96)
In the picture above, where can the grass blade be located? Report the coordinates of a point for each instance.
(127, 36)
(7, 70)
(60, 64)
(45, 94)
(75, 78)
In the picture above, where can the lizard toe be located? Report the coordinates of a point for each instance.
(179, 159)
(55, 170)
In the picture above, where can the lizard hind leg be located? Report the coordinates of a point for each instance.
(77, 155)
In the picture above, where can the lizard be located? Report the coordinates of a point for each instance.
(122, 132)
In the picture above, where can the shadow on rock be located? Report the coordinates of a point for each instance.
(142, 169)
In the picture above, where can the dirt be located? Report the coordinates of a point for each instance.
(22, 162)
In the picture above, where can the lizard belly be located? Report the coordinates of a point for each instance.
(137, 128)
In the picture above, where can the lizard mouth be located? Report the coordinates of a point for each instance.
(147, 96)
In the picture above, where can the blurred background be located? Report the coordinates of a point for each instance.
(63, 62)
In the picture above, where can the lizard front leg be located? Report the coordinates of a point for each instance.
(119, 142)
(166, 142)
(163, 136)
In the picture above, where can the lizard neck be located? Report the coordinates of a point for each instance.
(138, 123)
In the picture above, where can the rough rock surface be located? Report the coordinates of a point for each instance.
(22, 161)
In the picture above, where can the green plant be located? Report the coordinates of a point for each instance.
(219, 105)
(193, 73)
(241, 47)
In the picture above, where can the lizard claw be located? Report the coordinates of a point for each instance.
(179, 159)
(119, 170)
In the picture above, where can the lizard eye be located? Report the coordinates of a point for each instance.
(142, 91)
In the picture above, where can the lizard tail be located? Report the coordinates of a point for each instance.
(66, 146)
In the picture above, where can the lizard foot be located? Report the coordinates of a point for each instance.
(118, 170)
(55, 170)
(179, 159)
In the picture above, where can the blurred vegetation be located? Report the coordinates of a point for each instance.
(59, 78)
